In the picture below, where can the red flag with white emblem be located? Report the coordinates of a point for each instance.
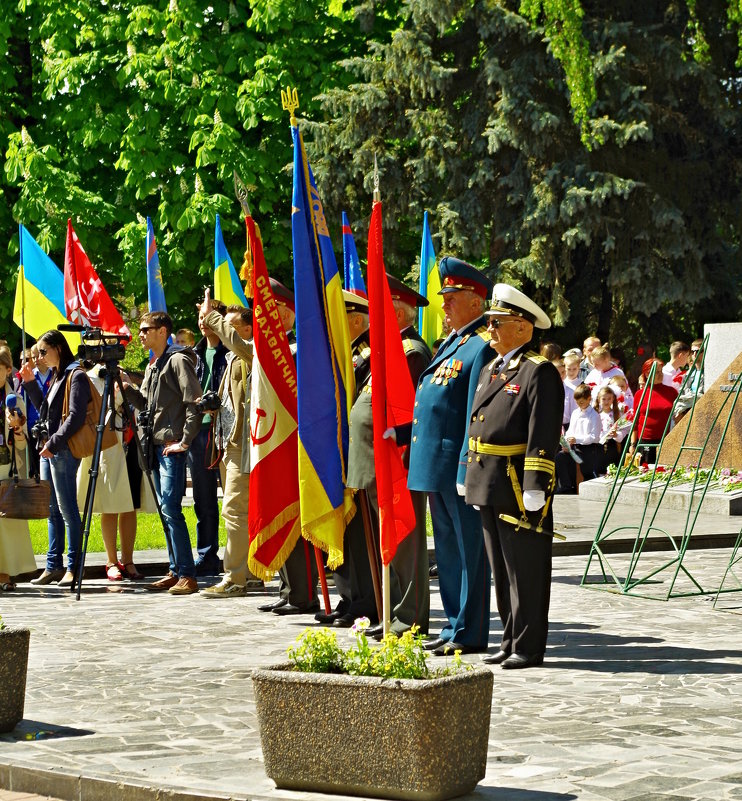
(273, 512)
(392, 398)
(86, 301)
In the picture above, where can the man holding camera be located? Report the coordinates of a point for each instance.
(168, 399)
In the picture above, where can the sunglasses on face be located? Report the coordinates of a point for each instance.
(496, 322)
(145, 328)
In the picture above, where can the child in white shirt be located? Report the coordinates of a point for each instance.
(606, 404)
(622, 390)
(571, 382)
(583, 435)
(673, 372)
(604, 370)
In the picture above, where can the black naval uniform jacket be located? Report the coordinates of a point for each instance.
(519, 404)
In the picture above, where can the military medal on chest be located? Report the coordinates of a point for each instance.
(449, 369)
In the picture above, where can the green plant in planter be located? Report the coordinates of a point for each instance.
(318, 651)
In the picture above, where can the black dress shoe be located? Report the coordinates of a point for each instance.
(272, 605)
(208, 568)
(496, 659)
(377, 631)
(431, 645)
(325, 619)
(448, 648)
(289, 609)
(343, 621)
(517, 661)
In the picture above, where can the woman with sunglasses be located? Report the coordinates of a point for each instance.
(58, 465)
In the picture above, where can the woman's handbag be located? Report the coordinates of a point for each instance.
(82, 442)
(24, 498)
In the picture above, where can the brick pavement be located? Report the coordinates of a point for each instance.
(137, 695)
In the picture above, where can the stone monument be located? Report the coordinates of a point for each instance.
(704, 423)
(724, 345)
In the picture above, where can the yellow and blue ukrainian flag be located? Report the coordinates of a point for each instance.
(326, 385)
(39, 294)
(227, 287)
(155, 290)
(352, 266)
(431, 316)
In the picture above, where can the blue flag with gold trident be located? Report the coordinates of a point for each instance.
(326, 385)
(155, 290)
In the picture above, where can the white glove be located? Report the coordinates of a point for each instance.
(390, 433)
(533, 500)
(461, 489)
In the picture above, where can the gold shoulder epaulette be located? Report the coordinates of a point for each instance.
(482, 331)
(407, 345)
(534, 357)
(365, 353)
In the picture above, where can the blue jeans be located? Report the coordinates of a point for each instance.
(64, 514)
(205, 505)
(168, 478)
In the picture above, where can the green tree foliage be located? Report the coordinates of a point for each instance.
(587, 150)
(470, 116)
(116, 112)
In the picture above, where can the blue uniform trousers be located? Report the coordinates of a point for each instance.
(463, 570)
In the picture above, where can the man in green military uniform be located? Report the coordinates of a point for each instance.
(514, 427)
(409, 574)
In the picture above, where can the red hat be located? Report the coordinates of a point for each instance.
(283, 295)
(402, 292)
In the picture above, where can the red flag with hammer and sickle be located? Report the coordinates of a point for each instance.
(86, 301)
(273, 512)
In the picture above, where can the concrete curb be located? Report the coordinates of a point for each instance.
(60, 784)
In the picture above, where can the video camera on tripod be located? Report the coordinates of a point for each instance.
(97, 345)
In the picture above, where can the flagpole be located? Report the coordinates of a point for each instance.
(385, 574)
(23, 294)
(290, 102)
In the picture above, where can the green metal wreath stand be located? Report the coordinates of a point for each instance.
(635, 582)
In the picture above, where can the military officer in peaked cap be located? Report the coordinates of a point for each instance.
(438, 452)
(514, 427)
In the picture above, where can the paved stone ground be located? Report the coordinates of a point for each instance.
(639, 700)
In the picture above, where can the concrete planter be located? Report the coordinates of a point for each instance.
(360, 735)
(13, 667)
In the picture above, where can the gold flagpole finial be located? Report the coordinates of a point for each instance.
(377, 192)
(240, 191)
(290, 102)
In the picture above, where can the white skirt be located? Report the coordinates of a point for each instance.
(16, 551)
(112, 493)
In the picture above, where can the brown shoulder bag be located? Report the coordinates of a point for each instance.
(82, 442)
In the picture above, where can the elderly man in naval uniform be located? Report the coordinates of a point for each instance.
(514, 427)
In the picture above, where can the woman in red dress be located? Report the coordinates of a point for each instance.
(652, 404)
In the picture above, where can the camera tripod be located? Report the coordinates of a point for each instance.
(111, 377)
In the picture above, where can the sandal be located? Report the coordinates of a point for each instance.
(132, 574)
(7, 586)
(113, 572)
